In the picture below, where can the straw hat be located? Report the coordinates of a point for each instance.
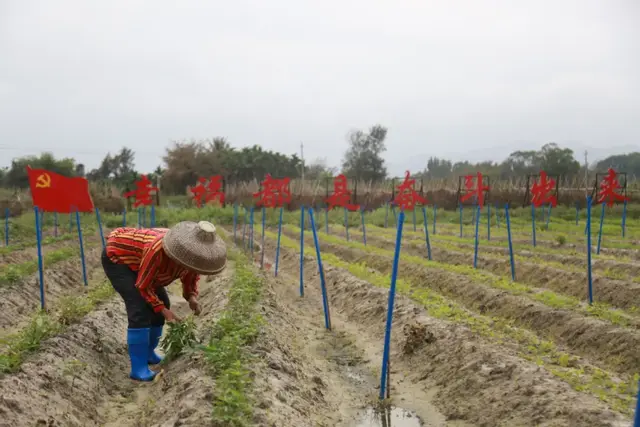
(195, 246)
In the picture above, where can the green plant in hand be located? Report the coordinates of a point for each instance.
(180, 337)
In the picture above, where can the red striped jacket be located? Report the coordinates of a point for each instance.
(141, 250)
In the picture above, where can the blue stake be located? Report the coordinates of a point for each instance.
(346, 223)
(235, 221)
(251, 212)
(326, 220)
(323, 285)
(392, 297)
(153, 216)
(475, 251)
(590, 277)
(124, 218)
(6, 226)
(55, 224)
(40, 261)
(302, 251)
(577, 212)
(435, 217)
(548, 217)
(488, 221)
(278, 245)
(426, 231)
(415, 228)
(386, 214)
(460, 219)
(600, 232)
(264, 216)
(533, 225)
(624, 218)
(513, 264)
(636, 422)
(84, 265)
(104, 245)
(364, 230)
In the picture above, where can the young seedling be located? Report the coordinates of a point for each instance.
(180, 337)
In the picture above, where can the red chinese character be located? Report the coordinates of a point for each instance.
(408, 197)
(275, 192)
(142, 193)
(541, 191)
(608, 188)
(341, 195)
(477, 191)
(208, 190)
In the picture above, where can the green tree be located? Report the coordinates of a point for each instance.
(558, 161)
(363, 159)
(118, 169)
(17, 176)
(629, 163)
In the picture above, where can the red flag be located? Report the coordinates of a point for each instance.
(52, 192)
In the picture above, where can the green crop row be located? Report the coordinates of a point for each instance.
(619, 394)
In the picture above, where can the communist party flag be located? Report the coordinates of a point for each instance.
(52, 192)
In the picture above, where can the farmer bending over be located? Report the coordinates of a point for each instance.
(140, 263)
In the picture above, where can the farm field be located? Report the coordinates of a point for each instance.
(470, 346)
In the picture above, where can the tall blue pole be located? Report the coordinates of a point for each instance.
(590, 277)
(346, 223)
(323, 285)
(475, 251)
(513, 265)
(40, 262)
(104, 245)
(600, 232)
(391, 303)
(624, 218)
(426, 231)
(302, 251)
(264, 216)
(533, 225)
(153, 216)
(278, 245)
(84, 264)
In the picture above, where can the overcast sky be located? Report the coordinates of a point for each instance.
(466, 80)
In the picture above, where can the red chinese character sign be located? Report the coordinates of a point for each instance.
(341, 196)
(143, 192)
(473, 188)
(542, 191)
(275, 192)
(208, 190)
(408, 197)
(609, 186)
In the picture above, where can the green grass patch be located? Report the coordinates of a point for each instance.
(13, 273)
(16, 347)
(228, 352)
(619, 394)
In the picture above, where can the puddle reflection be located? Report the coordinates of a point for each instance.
(388, 417)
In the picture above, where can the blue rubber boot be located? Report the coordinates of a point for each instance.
(154, 339)
(138, 343)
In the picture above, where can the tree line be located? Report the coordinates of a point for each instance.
(186, 160)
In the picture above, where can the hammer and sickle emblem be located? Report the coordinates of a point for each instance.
(43, 181)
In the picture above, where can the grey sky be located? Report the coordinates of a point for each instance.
(472, 79)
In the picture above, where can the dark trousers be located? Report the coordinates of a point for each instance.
(139, 312)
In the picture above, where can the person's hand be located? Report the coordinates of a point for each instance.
(194, 305)
(169, 316)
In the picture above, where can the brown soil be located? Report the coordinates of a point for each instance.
(80, 378)
(618, 293)
(465, 378)
(606, 345)
(18, 302)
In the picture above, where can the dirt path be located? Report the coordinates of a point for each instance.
(80, 377)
